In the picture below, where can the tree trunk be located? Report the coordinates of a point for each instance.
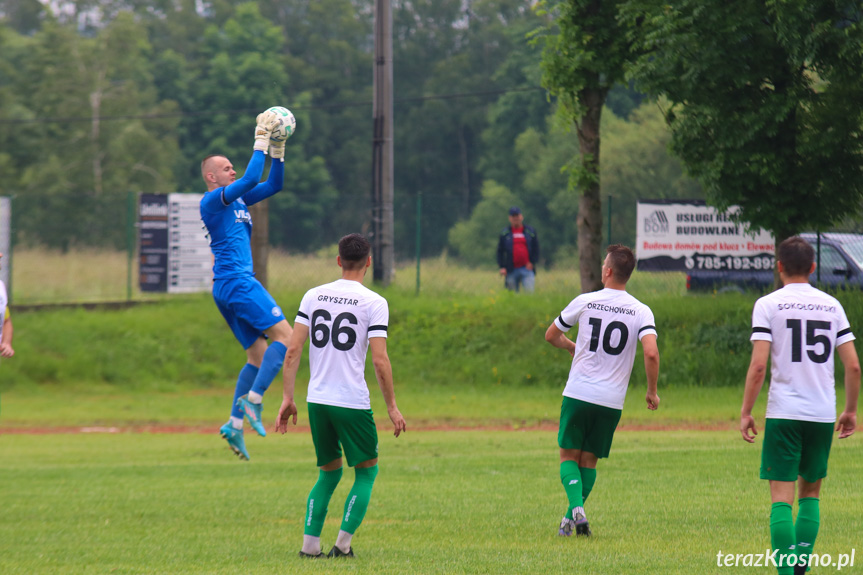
(589, 219)
(260, 239)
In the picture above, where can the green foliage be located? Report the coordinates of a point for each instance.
(76, 192)
(636, 164)
(475, 240)
(763, 102)
(476, 340)
(585, 50)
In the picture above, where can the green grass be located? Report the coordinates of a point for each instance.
(475, 340)
(467, 502)
(91, 275)
(465, 354)
(423, 407)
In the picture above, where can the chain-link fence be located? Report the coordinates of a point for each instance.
(443, 244)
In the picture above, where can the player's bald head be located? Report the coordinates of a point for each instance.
(210, 163)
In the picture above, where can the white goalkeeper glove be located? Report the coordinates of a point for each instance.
(266, 122)
(277, 150)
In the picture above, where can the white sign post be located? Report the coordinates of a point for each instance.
(6, 240)
(190, 262)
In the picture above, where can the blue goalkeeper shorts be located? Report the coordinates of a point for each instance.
(247, 306)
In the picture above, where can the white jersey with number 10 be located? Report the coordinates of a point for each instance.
(610, 324)
(804, 326)
(342, 316)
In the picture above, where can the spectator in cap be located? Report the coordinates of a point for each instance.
(518, 252)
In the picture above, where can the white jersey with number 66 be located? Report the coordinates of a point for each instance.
(342, 316)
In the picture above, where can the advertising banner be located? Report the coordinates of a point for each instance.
(191, 262)
(175, 252)
(153, 242)
(684, 235)
(6, 240)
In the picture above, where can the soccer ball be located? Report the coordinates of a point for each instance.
(287, 124)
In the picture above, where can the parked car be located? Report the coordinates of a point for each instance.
(840, 266)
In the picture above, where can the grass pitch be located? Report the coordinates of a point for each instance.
(444, 502)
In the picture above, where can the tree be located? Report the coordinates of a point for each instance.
(584, 56)
(475, 240)
(764, 102)
(75, 192)
(637, 164)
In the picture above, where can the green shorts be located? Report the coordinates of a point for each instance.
(587, 426)
(336, 427)
(793, 448)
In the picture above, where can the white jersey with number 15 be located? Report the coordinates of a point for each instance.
(804, 326)
(342, 316)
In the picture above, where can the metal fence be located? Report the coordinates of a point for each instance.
(431, 257)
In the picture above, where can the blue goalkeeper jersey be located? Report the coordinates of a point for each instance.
(225, 214)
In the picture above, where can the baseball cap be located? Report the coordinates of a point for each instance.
(514, 211)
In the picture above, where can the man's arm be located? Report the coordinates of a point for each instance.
(289, 376)
(557, 338)
(754, 381)
(534, 254)
(848, 420)
(651, 368)
(264, 190)
(6, 344)
(384, 373)
(501, 254)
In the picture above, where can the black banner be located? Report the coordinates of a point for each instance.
(153, 241)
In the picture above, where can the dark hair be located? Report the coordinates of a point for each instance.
(622, 262)
(354, 249)
(797, 256)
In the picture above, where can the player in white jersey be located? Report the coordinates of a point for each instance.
(799, 328)
(344, 319)
(6, 328)
(610, 323)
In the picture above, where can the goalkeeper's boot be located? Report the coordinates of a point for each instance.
(582, 527)
(566, 527)
(235, 440)
(252, 411)
(335, 553)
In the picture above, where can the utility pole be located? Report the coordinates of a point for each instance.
(260, 213)
(383, 257)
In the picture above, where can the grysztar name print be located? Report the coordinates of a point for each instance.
(337, 300)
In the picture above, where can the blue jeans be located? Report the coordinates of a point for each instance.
(520, 277)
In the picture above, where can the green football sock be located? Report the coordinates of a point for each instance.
(588, 478)
(806, 527)
(358, 499)
(319, 500)
(570, 477)
(782, 535)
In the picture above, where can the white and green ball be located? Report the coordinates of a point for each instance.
(287, 124)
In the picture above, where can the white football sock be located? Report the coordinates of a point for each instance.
(343, 541)
(311, 545)
(236, 422)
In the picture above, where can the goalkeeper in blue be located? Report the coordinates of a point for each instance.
(251, 312)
